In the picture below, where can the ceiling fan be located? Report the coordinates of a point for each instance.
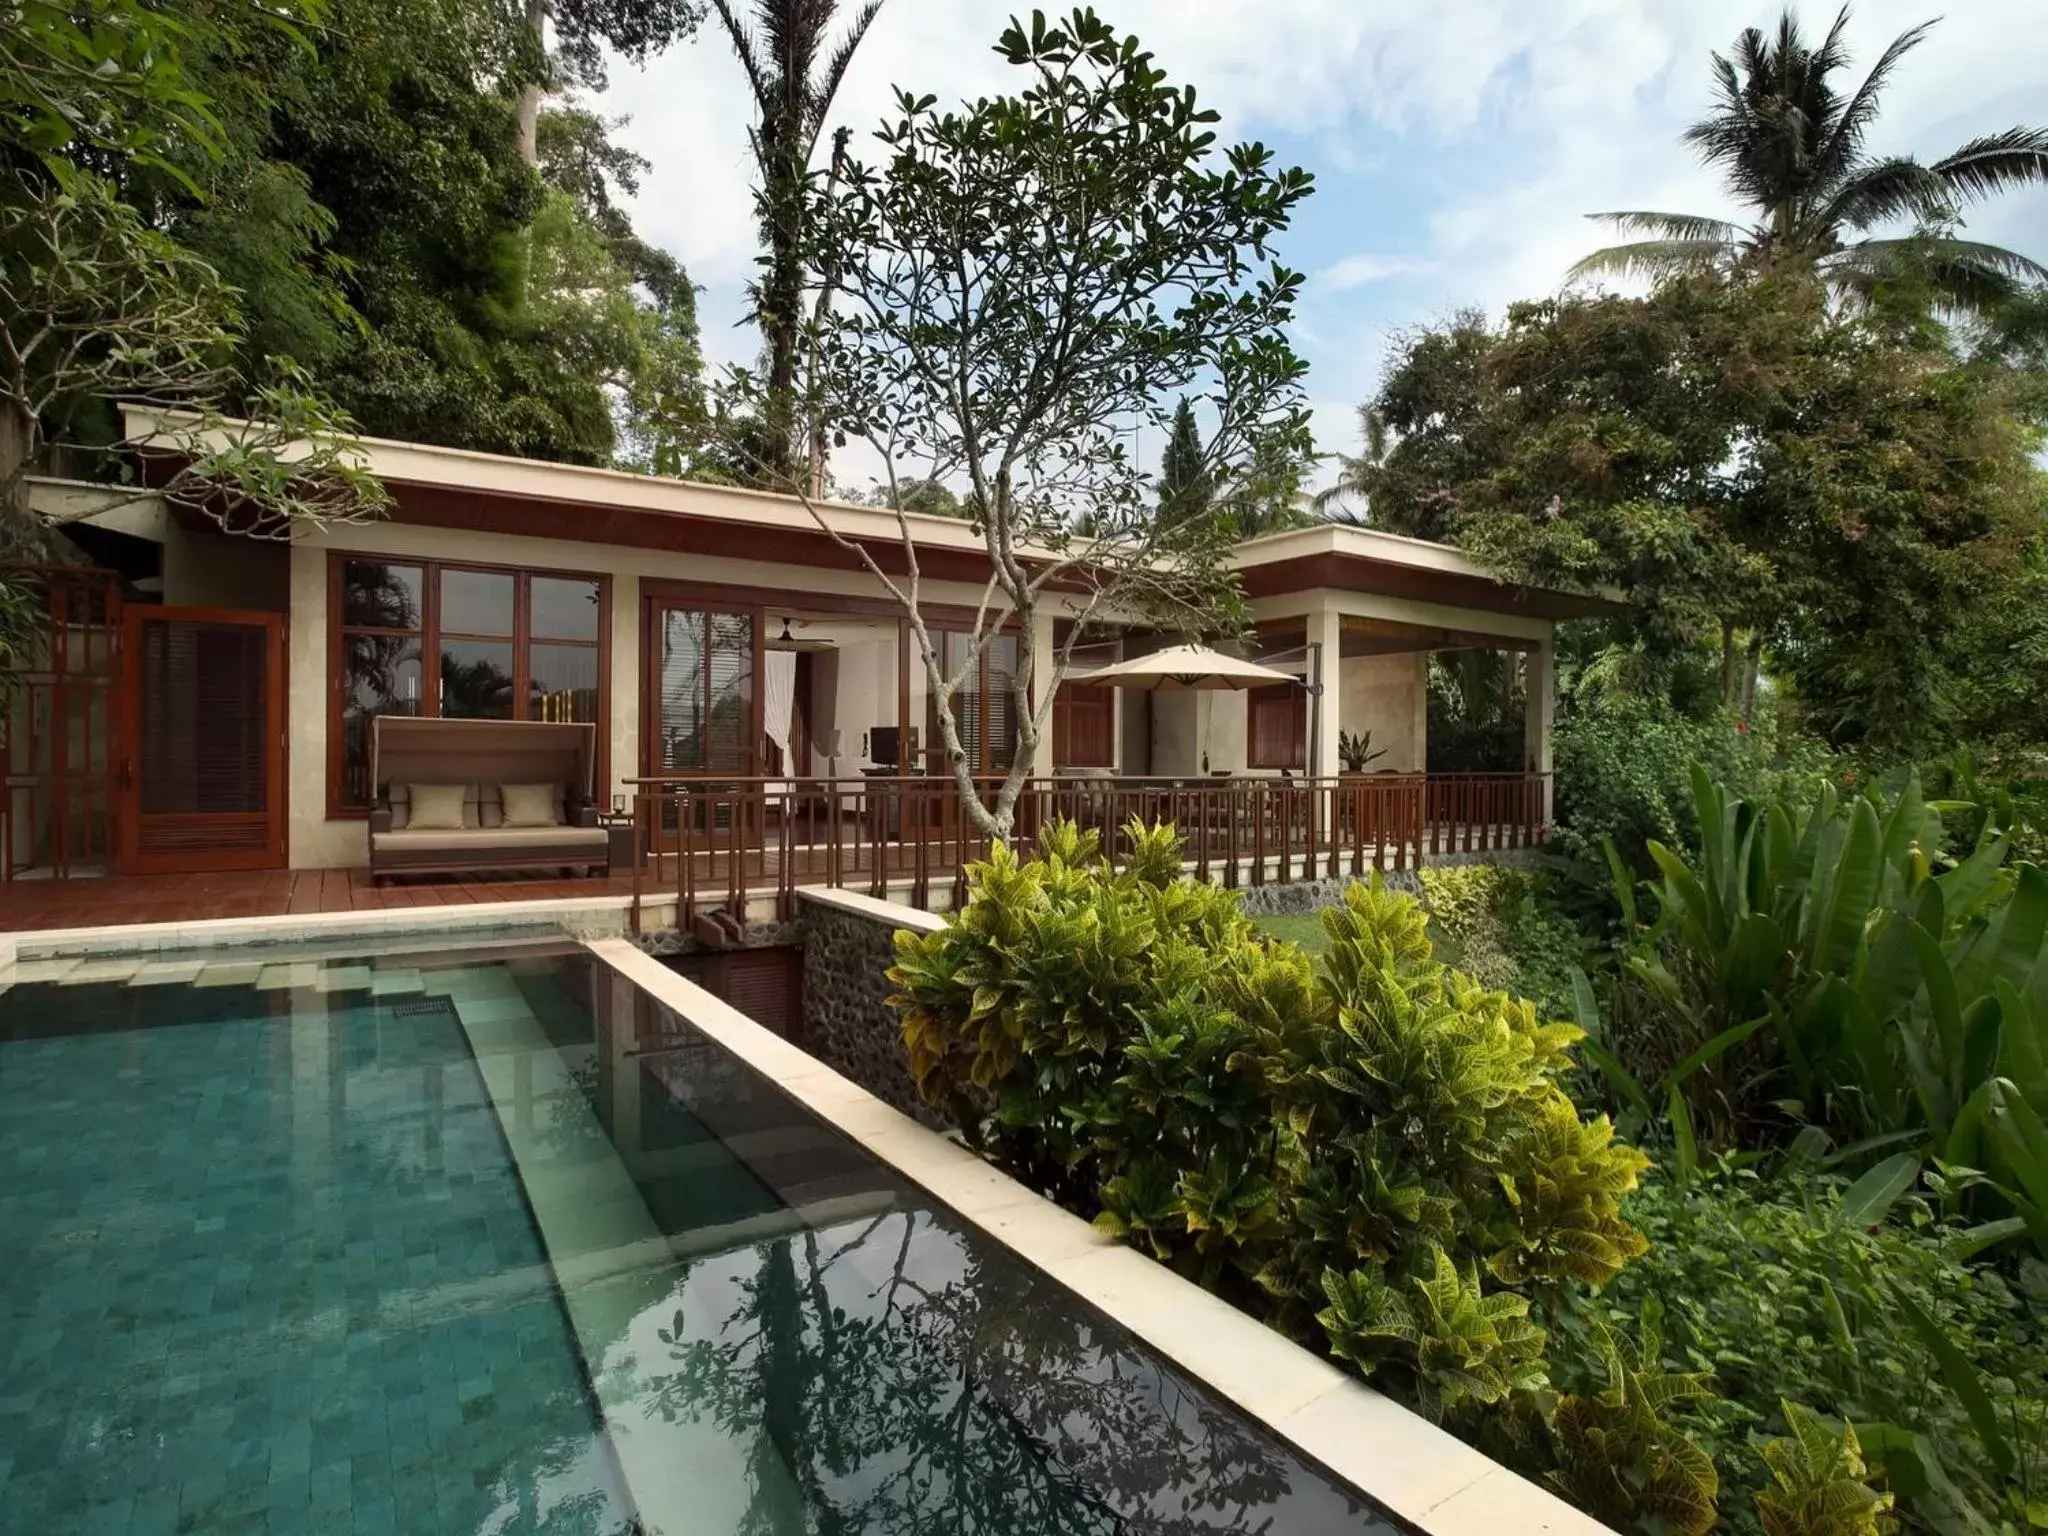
(788, 642)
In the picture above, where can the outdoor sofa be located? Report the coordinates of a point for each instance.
(469, 796)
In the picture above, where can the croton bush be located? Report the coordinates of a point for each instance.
(1377, 1158)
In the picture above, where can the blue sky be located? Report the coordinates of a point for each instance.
(1457, 144)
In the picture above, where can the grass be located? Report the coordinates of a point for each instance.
(1303, 928)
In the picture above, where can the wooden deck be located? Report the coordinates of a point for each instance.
(120, 899)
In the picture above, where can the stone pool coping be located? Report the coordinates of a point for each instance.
(1395, 1457)
(579, 918)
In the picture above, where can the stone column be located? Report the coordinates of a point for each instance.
(1042, 653)
(1326, 637)
(1539, 712)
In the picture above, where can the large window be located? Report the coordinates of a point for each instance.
(1277, 726)
(984, 706)
(704, 699)
(1084, 726)
(413, 637)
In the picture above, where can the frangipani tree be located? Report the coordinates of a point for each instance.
(97, 307)
(1791, 148)
(1016, 286)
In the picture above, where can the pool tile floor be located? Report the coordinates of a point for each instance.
(272, 1271)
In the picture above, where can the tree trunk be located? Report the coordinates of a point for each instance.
(1728, 663)
(1752, 659)
(528, 136)
(781, 299)
(17, 441)
(828, 281)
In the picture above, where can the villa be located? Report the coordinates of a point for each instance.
(721, 644)
(541, 1201)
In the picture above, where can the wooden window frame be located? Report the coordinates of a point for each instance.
(430, 636)
(652, 607)
(1269, 694)
(941, 634)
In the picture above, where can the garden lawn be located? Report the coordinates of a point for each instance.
(1303, 928)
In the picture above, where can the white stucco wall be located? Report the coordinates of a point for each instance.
(1389, 696)
(1384, 693)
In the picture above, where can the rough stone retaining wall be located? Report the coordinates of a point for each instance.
(1299, 896)
(849, 941)
(664, 942)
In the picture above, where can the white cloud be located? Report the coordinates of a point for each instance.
(1471, 135)
(1365, 267)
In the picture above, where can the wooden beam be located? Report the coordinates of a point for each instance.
(1381, 636)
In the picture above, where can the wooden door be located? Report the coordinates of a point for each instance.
(203, 749)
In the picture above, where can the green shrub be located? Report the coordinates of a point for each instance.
(1507, 929)
(1623, 770)
(1817, 1483)
(1769, 1290)
(1376, 1158)
(1619, 1455)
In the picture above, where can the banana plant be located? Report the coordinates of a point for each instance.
(1833, 960)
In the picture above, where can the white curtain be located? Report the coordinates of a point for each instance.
(778, 702)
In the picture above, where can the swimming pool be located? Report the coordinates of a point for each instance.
(500, 1244)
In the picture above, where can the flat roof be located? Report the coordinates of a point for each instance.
(465, 488)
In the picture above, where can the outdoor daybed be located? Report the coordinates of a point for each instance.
(463, 796)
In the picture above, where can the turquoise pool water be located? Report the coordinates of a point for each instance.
(503, 1246)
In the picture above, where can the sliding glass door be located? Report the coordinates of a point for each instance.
(984, 706)
(705, 715)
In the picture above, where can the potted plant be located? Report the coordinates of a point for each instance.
(1354, 750)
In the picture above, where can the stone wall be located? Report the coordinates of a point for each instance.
(849, 942)
(1300, 896)
(664, 942)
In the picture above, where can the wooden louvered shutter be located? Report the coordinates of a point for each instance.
(1278, 721)
(766, 985)
(705, 692)
(203, 763)
(729, 716)
(1084, 726)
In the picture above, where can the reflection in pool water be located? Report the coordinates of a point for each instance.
(500, 1246)
(839, 1356)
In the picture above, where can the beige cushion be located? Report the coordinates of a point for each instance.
(479, 806)
(477, 840)
(531, 805)
(438, 807)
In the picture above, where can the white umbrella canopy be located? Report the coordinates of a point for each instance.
(1186, 669)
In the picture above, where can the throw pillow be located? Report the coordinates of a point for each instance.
(531, 805)
(436, 807)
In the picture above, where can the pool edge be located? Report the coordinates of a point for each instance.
(1396, 1458)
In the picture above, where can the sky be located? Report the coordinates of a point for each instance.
(1457, 145)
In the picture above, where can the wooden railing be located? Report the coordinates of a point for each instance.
(709, 842)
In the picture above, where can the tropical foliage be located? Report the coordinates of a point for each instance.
(1793, 1283)
(318, 216)
(1832, 964)
(1376, 1156)
(1790, 145)
(1505, 928)
(1749, 468)
(794, 66)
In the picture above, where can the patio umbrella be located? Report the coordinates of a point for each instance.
(1188, 669)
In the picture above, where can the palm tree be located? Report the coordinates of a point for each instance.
(1349, 498)
(1791, 148)
(794, 78)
